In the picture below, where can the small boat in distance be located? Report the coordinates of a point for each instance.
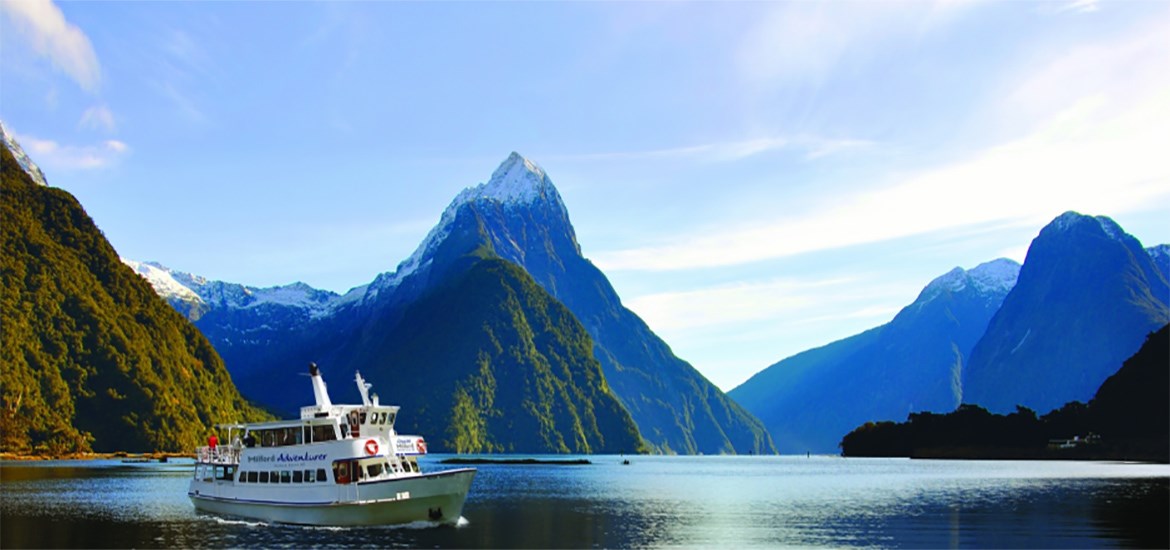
(337, 465)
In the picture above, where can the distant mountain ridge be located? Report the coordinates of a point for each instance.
(1087, 296)
(518, 216)
(1052, 331)
(913, 363)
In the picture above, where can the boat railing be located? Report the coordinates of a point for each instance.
(221, 454)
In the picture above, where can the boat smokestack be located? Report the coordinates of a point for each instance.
(320, 393)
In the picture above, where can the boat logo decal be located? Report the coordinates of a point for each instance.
(287, 457)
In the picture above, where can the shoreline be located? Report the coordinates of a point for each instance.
(520, 461)
(157, 456)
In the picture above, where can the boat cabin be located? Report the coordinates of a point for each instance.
(342, 444)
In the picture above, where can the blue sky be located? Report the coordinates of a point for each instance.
(755, 178)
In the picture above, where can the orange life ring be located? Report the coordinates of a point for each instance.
(371, 447)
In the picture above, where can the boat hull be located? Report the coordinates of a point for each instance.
(436, 498)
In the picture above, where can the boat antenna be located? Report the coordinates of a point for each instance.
(363, 387)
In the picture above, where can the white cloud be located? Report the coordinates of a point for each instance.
(730, 151)
(1122, 71)
(742, 302)
(1102, 152)
(49, 154)
(806, 41)
(98, 117)
(1073, 6)
(50, 35)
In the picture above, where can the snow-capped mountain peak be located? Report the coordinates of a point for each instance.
(998, 275)
(1070, 219)
(517, 182)
(994, 277)
(22, 159)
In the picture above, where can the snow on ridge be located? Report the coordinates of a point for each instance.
(171, 283)
(22, 158)
(164, 283)
(997, 275)
(1110, 227)
(1159, 251)
(516, 182)
(1067, 220)
(953, 280)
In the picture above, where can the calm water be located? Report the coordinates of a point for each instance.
(656, 501)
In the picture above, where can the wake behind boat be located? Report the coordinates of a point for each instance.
(338, 465)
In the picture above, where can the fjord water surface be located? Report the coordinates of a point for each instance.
(652, 502)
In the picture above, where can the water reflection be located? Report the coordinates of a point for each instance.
(657, 501)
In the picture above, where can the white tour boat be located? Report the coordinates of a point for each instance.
(337, 465)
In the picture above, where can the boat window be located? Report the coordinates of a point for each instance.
(264, 477)
(286, 476)
(374, 470)
(298, 476)
(324, 433)
(243, 477)
(362, 417)
(391, 420)
(321, 475)
(308, 476)
(225, 473)
(253, 477)
(306, 434)
(344, 430)
(274, 477)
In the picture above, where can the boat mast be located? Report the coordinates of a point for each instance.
(320, 393)
(363, 388)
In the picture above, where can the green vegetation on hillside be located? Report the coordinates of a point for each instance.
(490, 362)
(92, 358)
